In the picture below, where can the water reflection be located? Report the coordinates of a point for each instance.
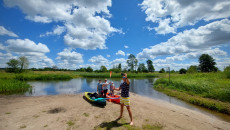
(138, 86)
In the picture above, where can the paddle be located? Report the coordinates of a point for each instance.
(110, 74)
(105, 98)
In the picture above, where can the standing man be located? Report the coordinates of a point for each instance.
(99, 88)
(105, 88)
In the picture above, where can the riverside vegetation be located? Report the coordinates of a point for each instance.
(210, 90)
(15, 83)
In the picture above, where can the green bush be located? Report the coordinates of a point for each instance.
(227, 72)
(182, 71)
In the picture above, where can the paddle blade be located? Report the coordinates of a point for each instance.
(110, 74)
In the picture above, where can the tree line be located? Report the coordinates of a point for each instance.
(206, 64)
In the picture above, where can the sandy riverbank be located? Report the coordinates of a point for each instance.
(74, 112)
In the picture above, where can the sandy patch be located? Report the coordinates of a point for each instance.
(74, 112)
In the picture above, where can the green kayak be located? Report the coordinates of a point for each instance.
(98, 101)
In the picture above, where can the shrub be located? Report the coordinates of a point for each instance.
(182, 71)
(227, 72)
(162, 70)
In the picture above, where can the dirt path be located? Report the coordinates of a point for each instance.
(73, 112)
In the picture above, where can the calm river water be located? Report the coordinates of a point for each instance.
(139, 86)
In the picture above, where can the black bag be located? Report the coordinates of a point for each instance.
(94, 95)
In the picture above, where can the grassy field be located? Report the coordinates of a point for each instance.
(114, 75)
(210, 90)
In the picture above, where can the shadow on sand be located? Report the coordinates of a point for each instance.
(93, 104)
(112, 124)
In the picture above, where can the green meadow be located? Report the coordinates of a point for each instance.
(210, 90)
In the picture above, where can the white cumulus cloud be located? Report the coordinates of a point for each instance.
(174, 14)
(57, 31)
(4, 31)
(99, 60)
(36, 53)
(2, 47)
(120, 52)
(194, 40)
(26, 47)
(85, 21)
(69, 59)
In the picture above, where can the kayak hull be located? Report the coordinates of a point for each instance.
(99, 101)
(113, 100)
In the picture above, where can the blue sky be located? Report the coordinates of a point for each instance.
(80, 33)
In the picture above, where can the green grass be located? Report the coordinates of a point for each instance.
(22, 126)
(114, 75)
(35, 116)
(86, 114)
(12, 86)
(37, 75)
(210, 90)
(65, 75)
(152, 127)
(70, 123)
(29, 77)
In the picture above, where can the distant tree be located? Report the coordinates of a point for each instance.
(97, 71)
(119, 66)
(142, 68)
(182, 71)
(89, 69)
(23, 62)
(103, 69)
(216, 69)
(207, 63)
(150, 66)
(54, 67)
(132, 62)
(13, 65)
(125, 70)
(172, 71)
(82, 69)
(162, 70)
(33, 69)
(227, 71)
(192, 69)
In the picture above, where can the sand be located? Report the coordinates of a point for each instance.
(74, 112)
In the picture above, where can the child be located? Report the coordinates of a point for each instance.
(112, 86)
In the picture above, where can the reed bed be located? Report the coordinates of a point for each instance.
(12, 86)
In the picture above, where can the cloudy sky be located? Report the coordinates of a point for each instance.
(81, 33)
